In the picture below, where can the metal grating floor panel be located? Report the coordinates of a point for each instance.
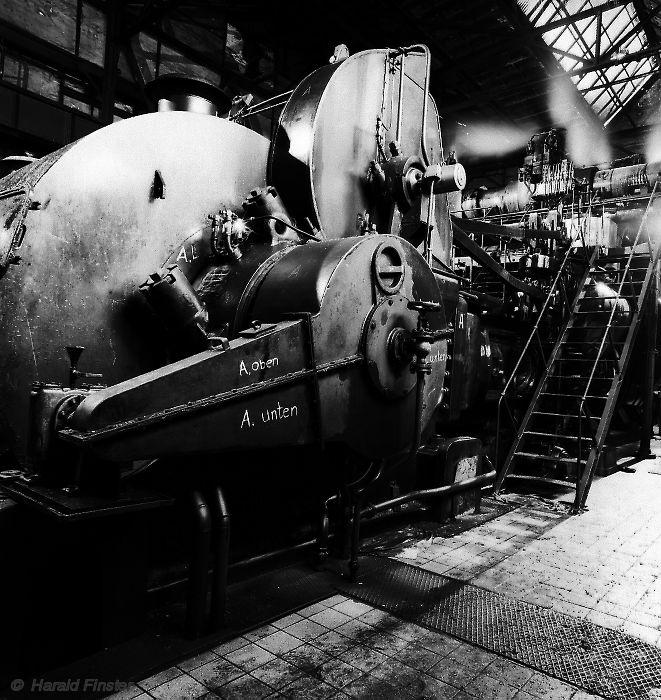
(600, 660)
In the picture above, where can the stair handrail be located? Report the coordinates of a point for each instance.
(654, 254)
(534, 333)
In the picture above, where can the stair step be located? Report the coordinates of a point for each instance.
(636, 259)
(548, 458)
(624, 256)
(591, 385)
(582, 328)
(541, 480)
(587, 342)
(624, 278)
(598, 311)
(580, 377)
(550, 415)
(555, 435)
(565, 415)
(572, 396)
(623, 297)
(579, 359)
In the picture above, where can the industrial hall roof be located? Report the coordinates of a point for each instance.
(501, 69)
(607, 48)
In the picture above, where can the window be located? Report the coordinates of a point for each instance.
(580, 35)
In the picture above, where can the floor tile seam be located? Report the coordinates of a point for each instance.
(151, 675)
(197, 680)
(306, 638)
(181, 673)
(277, 619)
(393, 654)
(506, 558)
(190, 658)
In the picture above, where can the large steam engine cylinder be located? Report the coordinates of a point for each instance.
(625, 181)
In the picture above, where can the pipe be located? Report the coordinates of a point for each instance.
(198, 572)
(301, 546)
(425, 91)
(220, 542)
(266, 556)
(400, 102)
(416, 48)
(323, 531)
(419, 412)
(357, 490)
(355, 536)
(448, 490)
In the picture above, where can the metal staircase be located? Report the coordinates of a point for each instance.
(567, 421)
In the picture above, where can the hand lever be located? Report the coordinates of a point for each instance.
(74, 352)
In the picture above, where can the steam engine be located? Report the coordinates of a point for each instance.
(177, 291)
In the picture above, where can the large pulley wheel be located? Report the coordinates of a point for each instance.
(338, 123)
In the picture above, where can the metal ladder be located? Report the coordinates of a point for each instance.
(569, 416)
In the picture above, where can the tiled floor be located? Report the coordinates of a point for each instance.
(603, 565)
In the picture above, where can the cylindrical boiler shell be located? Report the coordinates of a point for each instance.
(96, 236)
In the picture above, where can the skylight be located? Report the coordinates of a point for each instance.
(598, 45)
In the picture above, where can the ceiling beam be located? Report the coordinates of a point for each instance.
(646, 20)
(601, 84)
(634, 30)
(566, 54)
(542, 9)
(590, 66)
(537, 47)
(584, 14)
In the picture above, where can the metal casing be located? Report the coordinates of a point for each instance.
(261, 391)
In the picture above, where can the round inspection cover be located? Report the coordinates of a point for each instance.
(389, 268)
(391, 377)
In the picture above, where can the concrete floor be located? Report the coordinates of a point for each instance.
(603, 566)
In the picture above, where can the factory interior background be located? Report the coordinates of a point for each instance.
(329, 345)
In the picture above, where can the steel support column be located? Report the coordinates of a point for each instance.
(110, 61)
(651, 321)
